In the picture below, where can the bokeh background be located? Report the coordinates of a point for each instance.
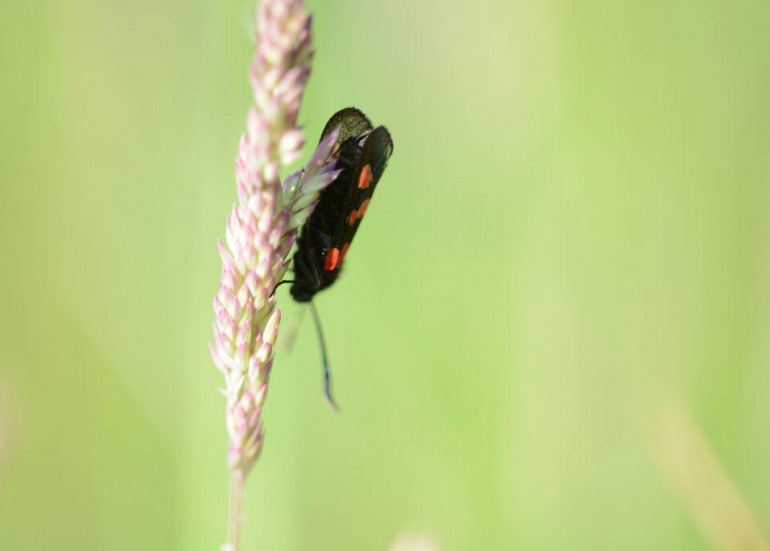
(575, 223)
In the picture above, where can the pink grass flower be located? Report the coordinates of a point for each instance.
(262, 228)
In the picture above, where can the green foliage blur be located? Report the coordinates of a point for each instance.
(576, 215)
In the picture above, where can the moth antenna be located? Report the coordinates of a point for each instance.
(324, 358)
(281, 283)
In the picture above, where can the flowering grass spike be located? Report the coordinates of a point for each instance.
(262, 228)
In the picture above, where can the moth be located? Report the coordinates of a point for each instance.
(362, 153)
(325, 239)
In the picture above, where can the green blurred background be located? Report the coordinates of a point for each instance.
(575, 216)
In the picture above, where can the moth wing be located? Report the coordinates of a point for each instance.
(367, 171)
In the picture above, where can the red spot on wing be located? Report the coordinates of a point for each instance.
(365, 178)
(358, 213)
(332, 259)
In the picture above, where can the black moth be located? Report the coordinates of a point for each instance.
(362, 153)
